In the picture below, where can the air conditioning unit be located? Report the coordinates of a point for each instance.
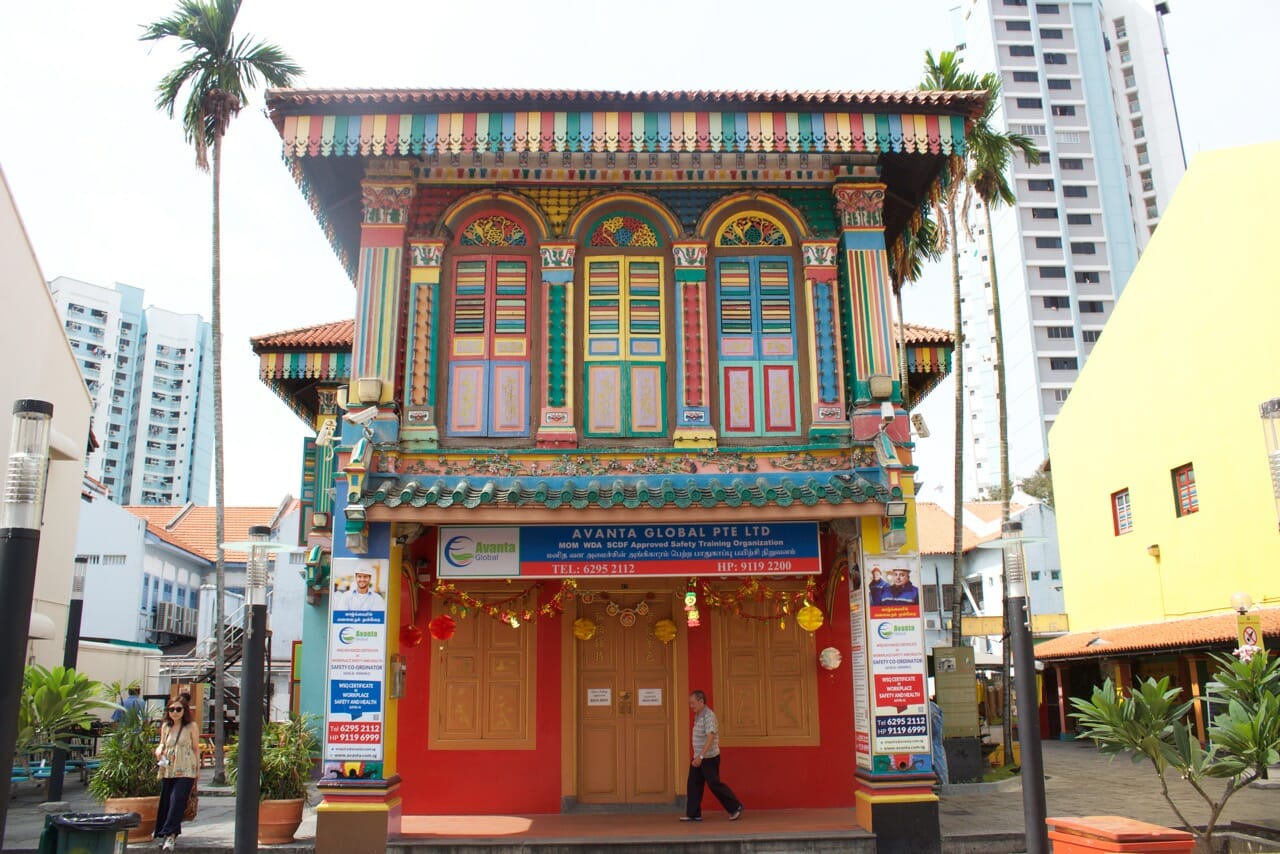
(164, 617)
(932, 623)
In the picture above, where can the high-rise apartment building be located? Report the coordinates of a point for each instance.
(150, 372)
(1087, 81)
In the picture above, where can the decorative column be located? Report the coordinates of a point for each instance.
(826, 379)
(693, 410)
(868, 333)
(418, 430)
(386, 194)
(556, 428)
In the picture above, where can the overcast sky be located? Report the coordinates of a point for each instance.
(109, 193)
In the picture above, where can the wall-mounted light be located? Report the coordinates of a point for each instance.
(1154, 550)
(369, 389)
(319, 521)
(895, 509)
(880, 385)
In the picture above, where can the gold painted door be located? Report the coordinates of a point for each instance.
(626, 712)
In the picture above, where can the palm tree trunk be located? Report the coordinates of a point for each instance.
(220, 574)
(902, 348)
(957, 371)
(1006, 488)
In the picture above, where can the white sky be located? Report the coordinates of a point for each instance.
(109, 193)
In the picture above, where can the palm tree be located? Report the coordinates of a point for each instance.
(945, 73)
(217, 73)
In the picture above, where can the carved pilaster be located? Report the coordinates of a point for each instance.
(826, 377)
(384, 220)
(556, 426)
(693, 416)
(866, 320)
(426, 258)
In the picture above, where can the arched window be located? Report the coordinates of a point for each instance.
(489, 329)
(756, 328)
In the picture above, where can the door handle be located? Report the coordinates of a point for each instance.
(624, 702)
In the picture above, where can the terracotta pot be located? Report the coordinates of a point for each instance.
(145, 807)
(278, 821)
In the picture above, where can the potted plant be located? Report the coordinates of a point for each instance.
(127, 778)
(288, 748)
(55, 706)
(1244, 737)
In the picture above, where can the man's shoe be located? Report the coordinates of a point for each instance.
(691, 818)
(737, 814)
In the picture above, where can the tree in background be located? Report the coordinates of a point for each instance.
(217, 73)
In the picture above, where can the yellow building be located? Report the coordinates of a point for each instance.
(1163, 493)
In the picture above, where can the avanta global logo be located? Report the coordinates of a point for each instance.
(460, 551)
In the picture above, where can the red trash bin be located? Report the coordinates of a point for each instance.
(1093, 833)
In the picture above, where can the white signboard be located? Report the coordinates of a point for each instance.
(599, 697)
(354, 708)
(649, 697)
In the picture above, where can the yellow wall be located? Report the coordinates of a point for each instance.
(1190, 352)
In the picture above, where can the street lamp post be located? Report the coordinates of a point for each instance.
(1019, 618)
(70, 652)
(20, 518)
(249, 755)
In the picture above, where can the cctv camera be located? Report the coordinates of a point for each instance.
(886, 412)
(922, 429)
(363, 417)
(324, 438)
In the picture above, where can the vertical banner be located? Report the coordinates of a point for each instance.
(894, 631)
(355, 694)
(858, 662)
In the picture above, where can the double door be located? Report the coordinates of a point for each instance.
(626, 712)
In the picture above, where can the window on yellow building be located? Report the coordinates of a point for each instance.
(1121, 512)
(1184, 490)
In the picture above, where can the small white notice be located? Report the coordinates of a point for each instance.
(599, 696)
(649, 696)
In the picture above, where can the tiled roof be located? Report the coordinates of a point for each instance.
(914, 333)
(988, 511)
(1195, 633)
(968, 102)
(339, 333)
(194, 528)
(935, 528)
(630, 492)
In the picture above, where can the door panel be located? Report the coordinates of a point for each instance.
(625, 707)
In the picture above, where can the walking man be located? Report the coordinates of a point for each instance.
(704, 770)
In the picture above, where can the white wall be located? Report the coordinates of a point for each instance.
(112, 591)
(39, 364)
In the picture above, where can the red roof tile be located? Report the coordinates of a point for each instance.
(1194, 633)
(335, 335)
(290, 99)
(914, 333)
(935, 529)
(194, 528)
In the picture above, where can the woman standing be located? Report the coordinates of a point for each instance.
(178, 755)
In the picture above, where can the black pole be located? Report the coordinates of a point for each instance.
(19, 548)
(249, 753)
(70, 653)
(1024, 662)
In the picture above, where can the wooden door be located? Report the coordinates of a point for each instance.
(626, 711)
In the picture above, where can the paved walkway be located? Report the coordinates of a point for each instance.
(1081, 782)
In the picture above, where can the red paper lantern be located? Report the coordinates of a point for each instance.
(442, 627)
(410, 636)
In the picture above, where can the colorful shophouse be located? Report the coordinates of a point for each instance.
(621, 415)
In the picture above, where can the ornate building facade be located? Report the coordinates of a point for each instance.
(620, 415)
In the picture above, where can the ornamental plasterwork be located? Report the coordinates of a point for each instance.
(861, 206)
(426, 254)
(705, 461)
(819, 254)
(493, 230)
(557, 257)
(690, 254)
(753, 230)
(386, 204)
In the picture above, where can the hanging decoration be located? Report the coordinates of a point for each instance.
(513, 610)
(755, 600)
(810, 617)
(584, 629)
(830, 658)
(691, 615)
(410, 636)
(665, 631)
(442, 627)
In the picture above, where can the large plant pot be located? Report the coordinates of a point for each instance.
(145, 807)
(278, 821)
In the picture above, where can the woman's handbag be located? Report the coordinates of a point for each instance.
(193, 804)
